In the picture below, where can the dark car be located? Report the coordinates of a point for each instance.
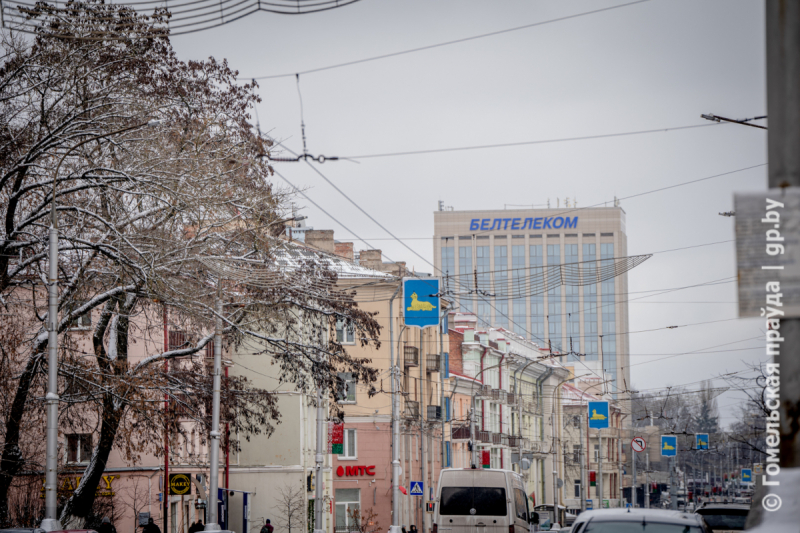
(724, 517)
(22, 530)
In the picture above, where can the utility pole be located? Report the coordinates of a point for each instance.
(646, 481)
(555, 467)
(673, 490)
(600, 470)
(583, 452)
(319, 459)
(423, 364)
(213, 441)
(396, 471)
(634, 490)
(51, 522)
(783, 106)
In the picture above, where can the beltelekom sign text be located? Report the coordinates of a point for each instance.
(489, 224)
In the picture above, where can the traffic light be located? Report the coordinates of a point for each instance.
(429, 506)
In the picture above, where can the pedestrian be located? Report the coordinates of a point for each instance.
(267, 527)
(151, 527)
(106, 526)
(196, 527)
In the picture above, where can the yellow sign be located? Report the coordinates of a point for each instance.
(67, 485)
(596, 416)
(667, 446)
(179, 484)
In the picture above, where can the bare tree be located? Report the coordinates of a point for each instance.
(291, 508)
(156, 178)
(364, 521)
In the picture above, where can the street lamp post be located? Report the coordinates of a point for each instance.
(51, 521)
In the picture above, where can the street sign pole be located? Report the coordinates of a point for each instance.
(634, 490)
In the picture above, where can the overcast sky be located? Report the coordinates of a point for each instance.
(654, 65)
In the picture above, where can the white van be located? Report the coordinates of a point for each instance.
(480, 501)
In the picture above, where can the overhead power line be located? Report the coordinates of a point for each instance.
(446, 43)
(528, 143)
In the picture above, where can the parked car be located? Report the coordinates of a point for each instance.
(23, 530)
(724, 517)
(639, 521)
(490, 499)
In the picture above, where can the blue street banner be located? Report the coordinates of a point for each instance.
(421, 302)
(702, 441)
(669, 446)
(747, 475)
(417, 488)
(598, 415)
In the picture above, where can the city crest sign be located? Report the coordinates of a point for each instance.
(421, 302)
(598, 415)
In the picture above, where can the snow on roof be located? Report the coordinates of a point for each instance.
(571, 395)
(291, 255)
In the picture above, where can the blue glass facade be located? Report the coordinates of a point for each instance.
(608, 314)
(483, 268)
(554, 312)
(465, 271)
(537, 300)
(518, 276)
(590, 334)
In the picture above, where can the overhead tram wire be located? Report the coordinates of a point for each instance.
(447, 43)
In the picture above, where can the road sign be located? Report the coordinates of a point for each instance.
(638, 444)
(589, 504)
(417, 488)
(421, 302)
(598, 415)
(702, 441)
(747, 475)
(669, 445)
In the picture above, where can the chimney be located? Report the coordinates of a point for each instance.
(371, 259)
(344, 249)
(321, 239)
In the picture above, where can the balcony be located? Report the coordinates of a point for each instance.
(511, 399)
(497, 438)
(484, 436)
(412, 410)
(518, 442)
(460, 433)
(410, 356)
(433, 362)
(499, 395)
(485, 391)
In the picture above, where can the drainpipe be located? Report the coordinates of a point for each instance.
(500, 406)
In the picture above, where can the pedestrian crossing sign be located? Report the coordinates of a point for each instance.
(417, 488)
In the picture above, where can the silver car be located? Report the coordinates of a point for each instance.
(639, 521)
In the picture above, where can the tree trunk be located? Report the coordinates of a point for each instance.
(81, 502)
(12, 460)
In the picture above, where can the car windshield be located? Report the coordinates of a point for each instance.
(725, 518)
(638, 527)
(480, 501)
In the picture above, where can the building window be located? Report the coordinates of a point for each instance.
(448, 261)
(79, 448)
(348, 502)
(345, 333)
(178, 340)
(537, 300)
(501, 271)
(348, 394)
(577, 488)
(596, 453)
(83, 321)
(483, 269)
(350, 446)
(465, 275)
